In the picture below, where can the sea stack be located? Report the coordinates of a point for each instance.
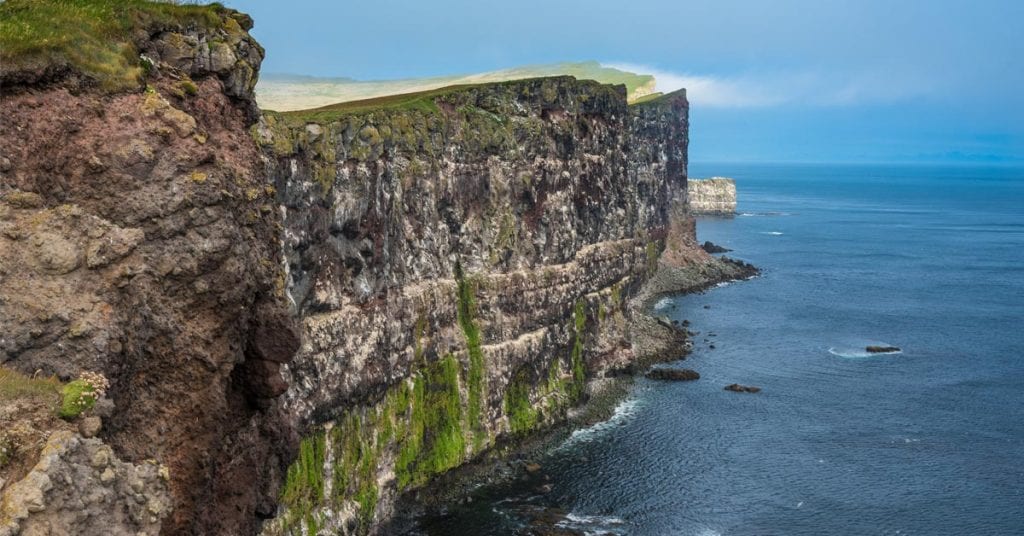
(712, 197)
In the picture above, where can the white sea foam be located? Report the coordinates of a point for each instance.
(622, 413)
(663, 303)
(772, 233)
(763, 214)
(592, 525)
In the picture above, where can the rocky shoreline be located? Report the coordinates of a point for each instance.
(513, 459)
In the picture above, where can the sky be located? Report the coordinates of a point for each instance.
(936, 81)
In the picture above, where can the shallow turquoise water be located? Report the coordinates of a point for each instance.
(926, 442)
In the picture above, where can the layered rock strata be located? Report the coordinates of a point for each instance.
(463, 263)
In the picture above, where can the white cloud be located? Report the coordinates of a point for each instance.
(807, 88)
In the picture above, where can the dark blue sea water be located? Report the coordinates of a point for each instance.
(926, 442)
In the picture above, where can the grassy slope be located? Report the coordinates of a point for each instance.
(287, 93)
(92, 36)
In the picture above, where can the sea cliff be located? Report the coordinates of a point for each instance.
(304, 315)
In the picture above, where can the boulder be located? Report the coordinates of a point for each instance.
(673, 374)
(737, 388)
(882, 349)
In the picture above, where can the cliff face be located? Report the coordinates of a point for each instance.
(462, 262)
(139, 239)
(453, 268)
(714, 196)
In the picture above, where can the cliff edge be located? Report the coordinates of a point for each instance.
(298, 317)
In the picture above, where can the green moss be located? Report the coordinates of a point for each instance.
(412, 442)
(475, 374)
(188, 87)
(522, 415)
(304, 483)
(653, 251)
(77, 397)
(579, 374)
(445, 447)
(434, 440)
(92, 36)
(367, 497)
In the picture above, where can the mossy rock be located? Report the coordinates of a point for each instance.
(77, 397)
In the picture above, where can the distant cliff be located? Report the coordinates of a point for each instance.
(716, 195)
(304, 315)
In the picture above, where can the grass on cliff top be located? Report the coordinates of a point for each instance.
(424, 101)
(421, 100)
(92, 36)
(290, 92)
(658, 98)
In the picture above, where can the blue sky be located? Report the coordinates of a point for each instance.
(782, 80)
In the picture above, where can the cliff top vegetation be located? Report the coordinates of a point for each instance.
(427, 101)
(294, 92)
(93, 37)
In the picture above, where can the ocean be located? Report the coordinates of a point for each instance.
(929, 441)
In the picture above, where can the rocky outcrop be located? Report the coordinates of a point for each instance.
(712, 247)
(139, 239)
(714, 196)
(79, 486)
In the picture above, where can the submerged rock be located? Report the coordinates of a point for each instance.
(737, 388)
(673, 374)
(882, 349)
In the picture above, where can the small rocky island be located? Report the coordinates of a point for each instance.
(713, 197)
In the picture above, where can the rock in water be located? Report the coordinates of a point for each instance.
(737, 388)
(882, 349)
(711, 247)
(673, 374)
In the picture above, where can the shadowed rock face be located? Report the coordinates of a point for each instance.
(139, 238)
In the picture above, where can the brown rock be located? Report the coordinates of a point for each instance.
(737, 388)
(275, 337)
(55, 254)
(20, 199)
(90, 426)
(882, 349)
